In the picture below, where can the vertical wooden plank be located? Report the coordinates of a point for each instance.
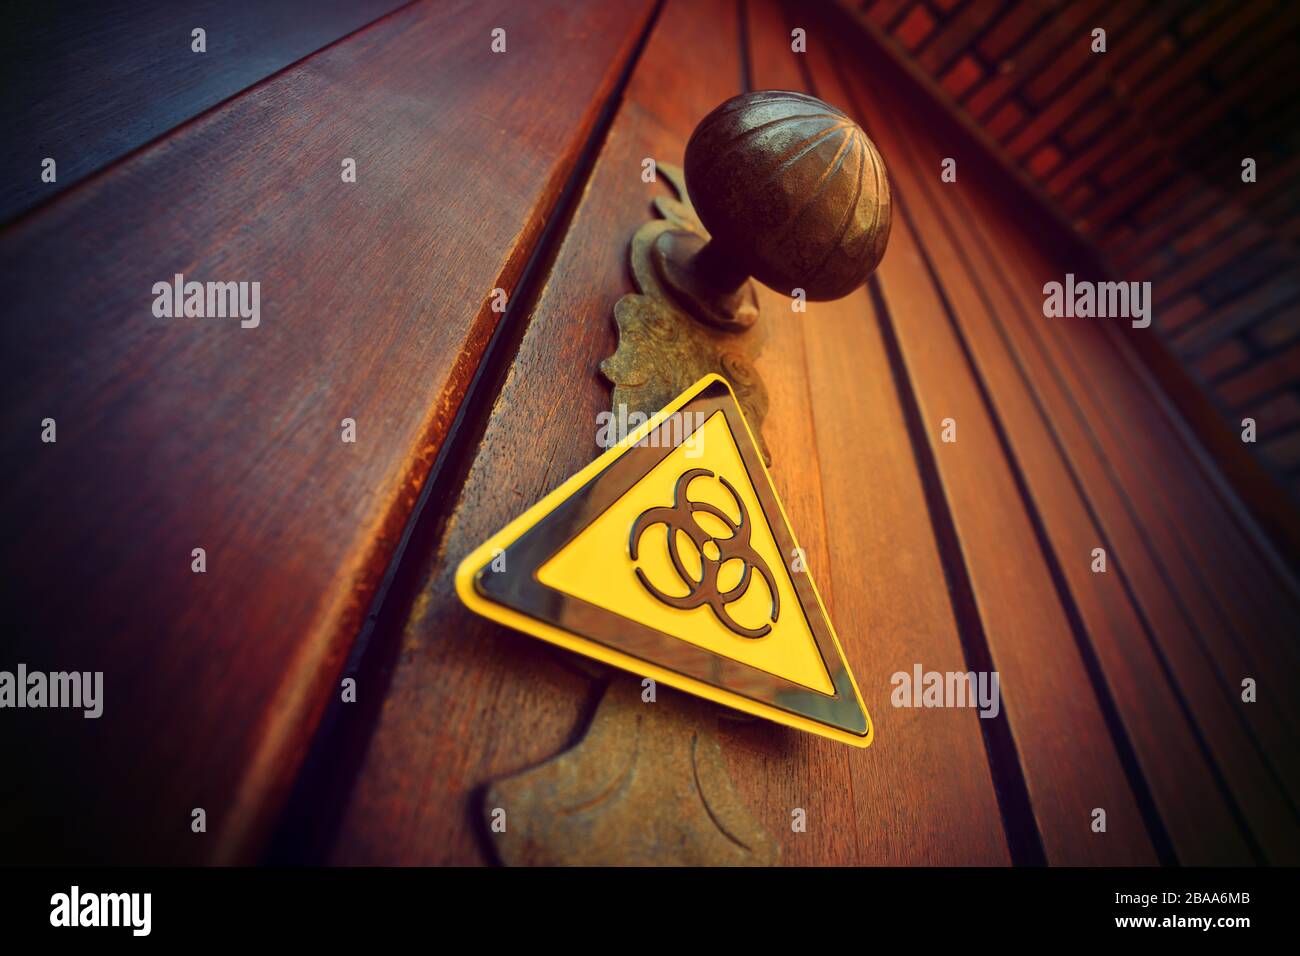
(1209, 649)
(922, 794)
(1069, 760)
(128, 73)
(1080, 510)
(1241, 597)
(817, 778)
(180, 432)
(470, 701)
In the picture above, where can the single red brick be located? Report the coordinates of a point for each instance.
(1080, 196)
(982, 100)
(884, 11)
(1261, 377)
(1082, 129)
(1209, 228)
(916, 26)
(1044, 161)
(1007, 119)
(1284, 452)
(1180, 313)
(1157, 263)
(964, 74)
(1279, 329)
(1227, 357)
(1277, 414)
(1122, 168)
(1010, 30)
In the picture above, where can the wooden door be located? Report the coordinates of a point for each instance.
(323, 695)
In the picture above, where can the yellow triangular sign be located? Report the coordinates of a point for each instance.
(670, 556)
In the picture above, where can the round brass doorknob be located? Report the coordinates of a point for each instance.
(792, 193)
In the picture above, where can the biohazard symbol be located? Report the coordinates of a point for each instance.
(714, 553)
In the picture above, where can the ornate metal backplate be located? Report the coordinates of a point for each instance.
(647, 786)
(662, 349)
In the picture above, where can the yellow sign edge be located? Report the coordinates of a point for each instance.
(484, 553)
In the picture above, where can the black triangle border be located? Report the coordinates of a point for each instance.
(518, 587)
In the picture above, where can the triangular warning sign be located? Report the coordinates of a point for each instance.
(670, 556)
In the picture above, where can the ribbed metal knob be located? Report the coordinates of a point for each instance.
(792, 192)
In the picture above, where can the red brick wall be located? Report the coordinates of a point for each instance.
(1140, 149)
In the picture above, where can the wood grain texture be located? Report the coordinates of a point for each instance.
(1101, 430)
(647, 786)
(1239, 599)
(922, 793)
(1069, 761)
(88, 82)
(469, 701)
(183, 433)
(1166, 520)
(1081, 509)
(1139, 151)
(924, 797)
